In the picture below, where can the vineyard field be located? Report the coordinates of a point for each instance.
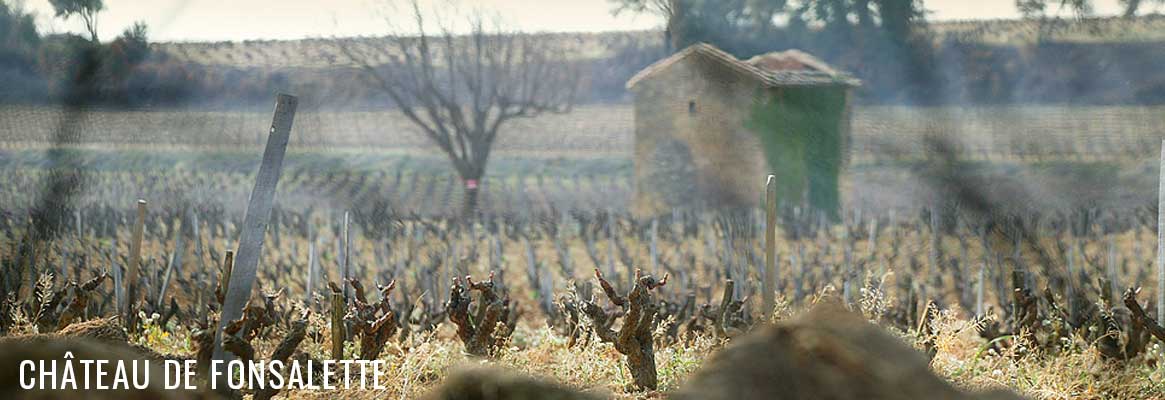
(1008, 133)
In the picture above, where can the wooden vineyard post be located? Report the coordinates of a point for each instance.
(611, 243)
(1070, 294)
(197, 236)
(338, 325)
(979, 291)
(1161, 237)
(1113, 277)
(135, 260)
(118, 287)
(175, 263)
(312, 260)
(935, 256)
(228, 264)
(848, 267)
(257, 216)
(768, 288)
(345, 253)
(654, 247)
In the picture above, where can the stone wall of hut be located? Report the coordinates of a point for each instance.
(692, 148)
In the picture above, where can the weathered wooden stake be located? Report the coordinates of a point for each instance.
(338, 305)
(175, 263)
(77, 223)
(1113, 276)
(936, 242)
(797, 271)
(848, 266)
(135, 260)
(1070, 292)
(1161, 237)
(118, 288)
(228, 265)
(770, 268)
(78, 240)
(654, 247)
(979, 290)
(256, 218)
(312, 260)
(611, 244)
(346, 254)
(63, 273)
(198, 250)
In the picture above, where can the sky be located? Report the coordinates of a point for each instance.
(234, 20)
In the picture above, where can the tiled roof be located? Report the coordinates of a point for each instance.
(787, 68)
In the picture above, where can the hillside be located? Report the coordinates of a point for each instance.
(1147, 28)
(325, 53)
(322, 52)
(1100, 61)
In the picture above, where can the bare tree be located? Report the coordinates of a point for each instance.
(85, 9)
(672, 11)
(1130, 7)
(461, 90)
(1048, 20)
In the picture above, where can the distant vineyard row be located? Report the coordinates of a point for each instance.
(398, 191)
(425, 185)
(880, 133)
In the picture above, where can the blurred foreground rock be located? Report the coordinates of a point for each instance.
(495, 383)
(101, 339)
(825, 353)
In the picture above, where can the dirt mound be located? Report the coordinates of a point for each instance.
(825, 353)
(496, 383)
(53, 347)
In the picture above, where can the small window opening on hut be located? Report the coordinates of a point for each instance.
(691, 107)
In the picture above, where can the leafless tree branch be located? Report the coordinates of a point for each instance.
(461, 90)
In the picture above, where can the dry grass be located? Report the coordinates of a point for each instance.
(1075, 372)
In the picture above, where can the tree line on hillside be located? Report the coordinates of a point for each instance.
(891, 47)
(886, 43)
(38, 68)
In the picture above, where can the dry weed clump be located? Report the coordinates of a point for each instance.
(1076, 371)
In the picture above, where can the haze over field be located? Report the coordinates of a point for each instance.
(623, 203)
(187, 20)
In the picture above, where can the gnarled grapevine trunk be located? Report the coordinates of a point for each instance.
(494, 322)
(374, 322)
(633, 339)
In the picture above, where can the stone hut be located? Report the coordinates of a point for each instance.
(710, 127)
